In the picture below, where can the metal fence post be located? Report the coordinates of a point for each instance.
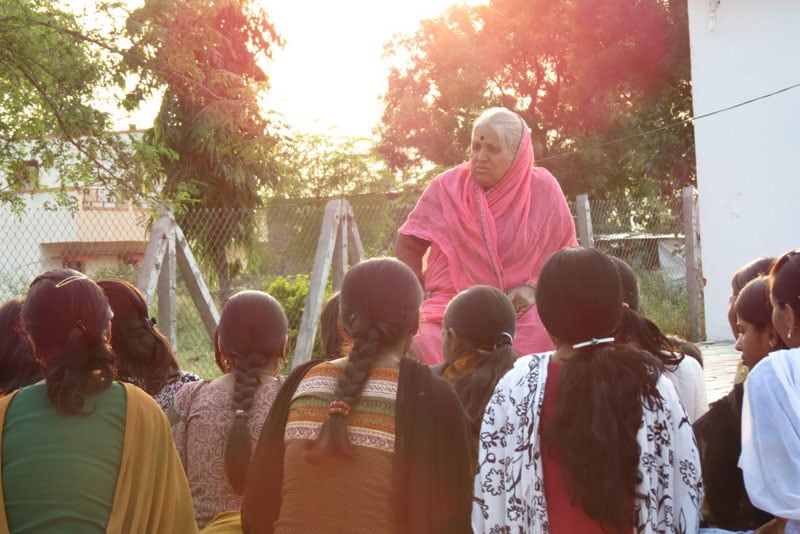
(584, 216)
(694, 277)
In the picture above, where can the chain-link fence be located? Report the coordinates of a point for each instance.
(273, 248)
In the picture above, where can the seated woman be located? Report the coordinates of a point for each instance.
(371, 443)
(479, 328)
(771, 408)
(591, 437)
(718, 432)
(685, 373)
(144, 355)
(18, 367)
(493, 220)
(82, 453)
(216, 424)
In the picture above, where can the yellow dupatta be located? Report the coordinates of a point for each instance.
(152, 493)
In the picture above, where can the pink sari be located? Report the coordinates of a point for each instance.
(500, 237)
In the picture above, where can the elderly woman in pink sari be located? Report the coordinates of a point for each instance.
(495, 221)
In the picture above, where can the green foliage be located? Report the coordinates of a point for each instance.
(206, 55)
(580, 74)
(321, 166)
(664, 302)
(53, 69)
(291, 292)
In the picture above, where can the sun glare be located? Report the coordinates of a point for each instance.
(330, 75)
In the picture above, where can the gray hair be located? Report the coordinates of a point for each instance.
(507, 124)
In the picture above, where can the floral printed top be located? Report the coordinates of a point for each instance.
(509, 488)
(200, 415)
(164, 396)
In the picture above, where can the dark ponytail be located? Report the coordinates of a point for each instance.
(601, 388)
(379, 302)
(483, 318)
(67, 316)
(251, 334)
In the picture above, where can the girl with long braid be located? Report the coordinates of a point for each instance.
(216, 423)
(373, 442)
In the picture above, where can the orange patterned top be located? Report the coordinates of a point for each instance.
(338, 495)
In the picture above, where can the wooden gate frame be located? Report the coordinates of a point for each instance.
(339, 244)
(168, 250)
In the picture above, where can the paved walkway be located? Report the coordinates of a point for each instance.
(720, 360)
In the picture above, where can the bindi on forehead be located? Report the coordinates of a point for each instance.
(482, 138)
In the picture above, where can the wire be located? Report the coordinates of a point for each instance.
(670, 125)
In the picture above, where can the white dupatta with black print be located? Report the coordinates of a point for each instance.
(509, 487)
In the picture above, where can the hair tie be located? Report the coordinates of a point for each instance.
(338, 407)
(240, 414)
(503, 338)
(626, 305)
(594, 341)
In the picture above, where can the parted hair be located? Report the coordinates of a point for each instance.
(379, 303)
(753, 303)
(509, 126)
(143, 353)
(484, 320)
(18, 366)
(601, 388)
(67, 317)
(636, 327)
(251, 333)
(785, 281)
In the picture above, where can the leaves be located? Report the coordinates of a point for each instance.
(580, 73)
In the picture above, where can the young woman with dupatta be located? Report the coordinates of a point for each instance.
(81, 452)
(494, 221)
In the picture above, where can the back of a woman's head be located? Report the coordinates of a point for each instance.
(379, 303)
(753, 304)
(380, 297)
(67, 317)
(508, 125)
(484, 320)
(18, 366)
(250, 336)
(601, 387)
(785, 281)
(749, 271)
(579, 295)
(143, 353)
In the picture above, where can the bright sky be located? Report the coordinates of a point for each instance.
(330, 75)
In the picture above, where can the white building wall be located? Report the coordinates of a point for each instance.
(748, 171)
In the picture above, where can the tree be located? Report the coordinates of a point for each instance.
(580, 73)
(51, 69)
(321, 166)
(208, 57)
